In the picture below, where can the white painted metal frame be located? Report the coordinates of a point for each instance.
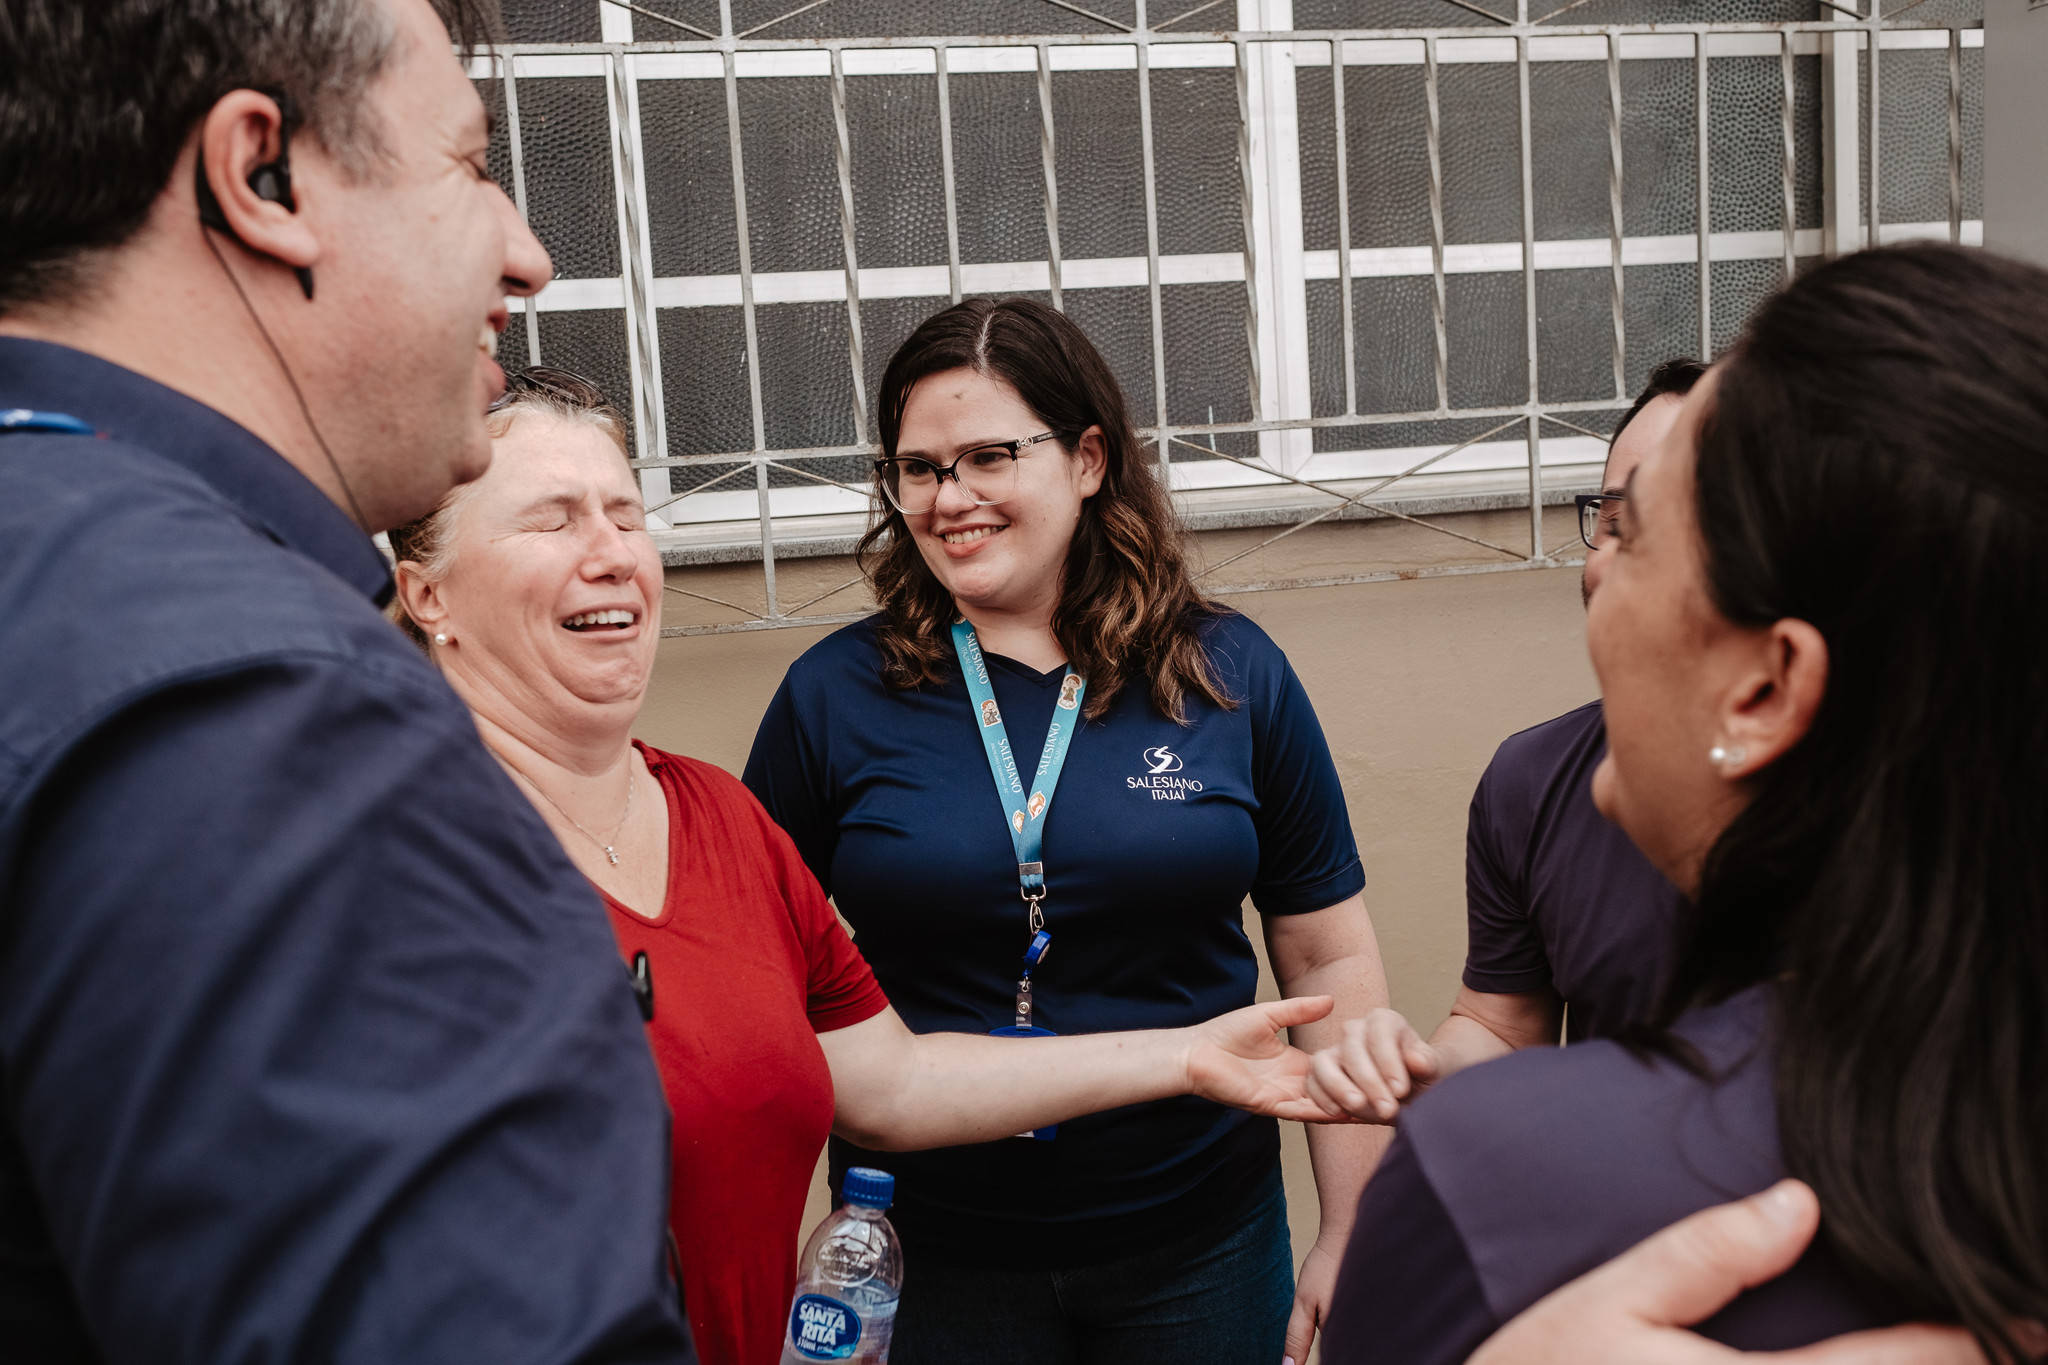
(1264, 50)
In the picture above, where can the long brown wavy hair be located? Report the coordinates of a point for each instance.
(1127, 609)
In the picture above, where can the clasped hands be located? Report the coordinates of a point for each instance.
(1240, 1059)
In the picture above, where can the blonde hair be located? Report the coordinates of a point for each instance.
(428, 541)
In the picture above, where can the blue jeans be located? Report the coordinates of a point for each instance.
(1219, 1297)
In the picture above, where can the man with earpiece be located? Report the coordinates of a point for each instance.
(314, 1044)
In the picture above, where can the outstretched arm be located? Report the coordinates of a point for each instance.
(894, 1090)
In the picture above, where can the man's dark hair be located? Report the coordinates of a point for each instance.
(1673, 376)
(1873, 464)
(97, 98)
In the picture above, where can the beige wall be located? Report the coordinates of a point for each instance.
(1416, 682)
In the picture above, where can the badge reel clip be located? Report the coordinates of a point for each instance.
(1041, 943)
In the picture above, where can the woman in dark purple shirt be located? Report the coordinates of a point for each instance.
(1821, 651)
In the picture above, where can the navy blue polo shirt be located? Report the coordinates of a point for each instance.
(314, 1044)
(1515, 1177)
(1555, 894)
(1156, 835)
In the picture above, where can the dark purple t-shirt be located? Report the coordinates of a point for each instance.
(1554, 893)
(1519, 1175)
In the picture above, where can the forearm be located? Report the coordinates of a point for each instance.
(1463, 1041)
(955, 1088)
(1343, 1156)
(1483, 1025)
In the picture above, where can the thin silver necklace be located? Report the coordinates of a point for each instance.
(605, 844)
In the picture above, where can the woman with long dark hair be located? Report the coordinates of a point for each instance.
(1822, 653)
(1040, 784)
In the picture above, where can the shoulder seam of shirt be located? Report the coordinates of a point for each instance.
(37, 764)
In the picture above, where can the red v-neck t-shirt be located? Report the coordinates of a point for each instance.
(749, 965)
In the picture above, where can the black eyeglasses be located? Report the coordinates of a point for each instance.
(987, 474)
(1598, 512)
(565, 386)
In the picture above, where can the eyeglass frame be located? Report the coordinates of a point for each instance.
(1584, 500)
(952, 470)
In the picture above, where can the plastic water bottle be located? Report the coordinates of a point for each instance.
(849, 1279)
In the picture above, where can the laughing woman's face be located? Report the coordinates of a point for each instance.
(553, 596)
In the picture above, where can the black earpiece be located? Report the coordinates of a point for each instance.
(272, 182)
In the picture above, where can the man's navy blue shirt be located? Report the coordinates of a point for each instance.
(1513, 1177)
(1555, 894)
(1156, 835)
(314, 1044)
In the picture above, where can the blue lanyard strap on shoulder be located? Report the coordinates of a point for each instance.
(27, 419)
(1024, 807)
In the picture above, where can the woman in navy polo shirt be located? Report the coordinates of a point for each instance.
(1047, 734)
(1820, 643)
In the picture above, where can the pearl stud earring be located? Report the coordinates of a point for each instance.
(441, 638)
(1725, 756)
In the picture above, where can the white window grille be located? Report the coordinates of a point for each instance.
(1349, 257)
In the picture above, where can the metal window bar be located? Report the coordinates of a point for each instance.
(844, 148)
(637, 294)
(636, 265)
(1534, 437)
(1702, 136)
(1790, 167)
(746, 255)
(1618, 286)
(1873, 217)
(510, 83)
(1052, 180)
(946, 174)
(1152, 284)
(1434, 134)
(1344, 299)
(1251, 273)
(1955, 136)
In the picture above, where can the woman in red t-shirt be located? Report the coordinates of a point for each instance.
(538, 592)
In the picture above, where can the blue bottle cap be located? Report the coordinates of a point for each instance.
(869, 1187)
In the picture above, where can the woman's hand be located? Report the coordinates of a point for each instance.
(1240, 1059)
(1381, 1064)
(1633, 1310)
(1314, 1289)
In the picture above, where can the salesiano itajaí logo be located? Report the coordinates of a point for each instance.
(1161, 766)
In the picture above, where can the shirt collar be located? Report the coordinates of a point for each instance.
(238, 464)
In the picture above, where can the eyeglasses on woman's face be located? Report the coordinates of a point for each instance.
(1598, 513)
(987, 474)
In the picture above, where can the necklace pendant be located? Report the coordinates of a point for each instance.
(609, 854)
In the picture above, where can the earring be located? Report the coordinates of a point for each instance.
(441, 638)
(1729, 757)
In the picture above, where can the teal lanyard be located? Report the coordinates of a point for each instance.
(1024, 807)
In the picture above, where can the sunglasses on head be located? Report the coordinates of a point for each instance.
(563, 385)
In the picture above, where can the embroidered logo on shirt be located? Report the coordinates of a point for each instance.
(1159, 762)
